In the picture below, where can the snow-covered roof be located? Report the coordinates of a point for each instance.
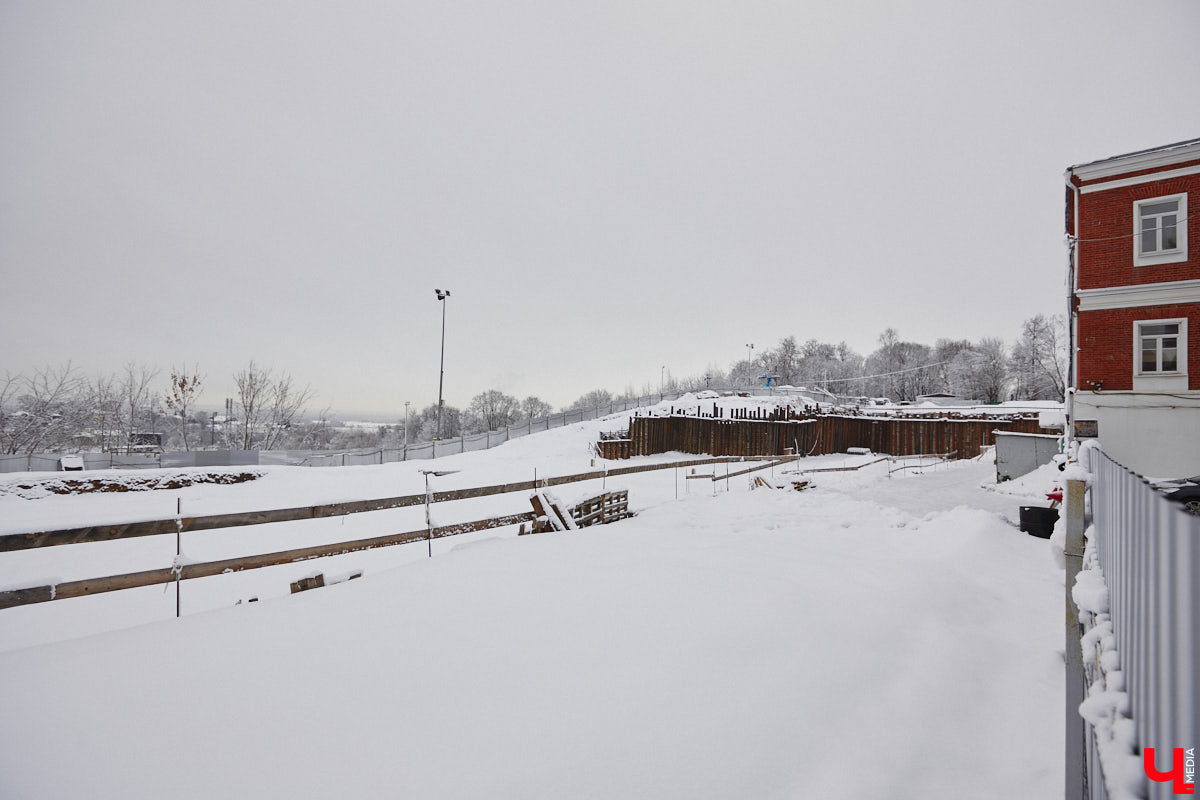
(1149, 158)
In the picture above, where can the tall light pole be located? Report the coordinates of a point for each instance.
(661, 376)
(750, 364)
(406, 404)
(442, 294)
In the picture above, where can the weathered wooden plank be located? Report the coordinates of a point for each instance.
(304, 584)
(102, 533)
(21, 597)
(112, 583)
(774, 463)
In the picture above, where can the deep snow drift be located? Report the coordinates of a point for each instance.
(869, 637)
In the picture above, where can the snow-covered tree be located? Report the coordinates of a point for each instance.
(533, 407)
(596, 397)
(42, 410)
(423, 426)
(267, 406)
(1039, 358)
(135, 393)
(902, 369)
(491, 410)
(981, 373)
(785, 360)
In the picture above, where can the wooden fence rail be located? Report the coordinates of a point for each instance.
(102, 533)
(610, 506)
(132, 580)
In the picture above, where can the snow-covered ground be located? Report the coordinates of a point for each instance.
(872, 636)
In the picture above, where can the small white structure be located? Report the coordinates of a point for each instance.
(70, 463)
(1019, 454)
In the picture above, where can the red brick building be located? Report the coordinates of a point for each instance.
(1135, 303)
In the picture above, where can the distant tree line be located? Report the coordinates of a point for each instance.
(62, 408)
(1033, 367)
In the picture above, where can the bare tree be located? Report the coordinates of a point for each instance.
(423, 425)
(105, 410)
(981, 372)
(831, 366)
(594, 398)
(9, 386)
(902, 369)
(533, 407)
(268, 405)
(134, 392)
(42, 411)
(314, 434)
(181, 396)
(286, 400)
(492, 410)
(785, 360)
(944, 353)
(253, 384)
(1039, 358)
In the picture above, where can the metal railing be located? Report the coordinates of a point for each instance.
(1148, 553)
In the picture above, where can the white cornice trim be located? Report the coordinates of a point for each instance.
(1146, 294)
(1154, 176)
(1136, 162)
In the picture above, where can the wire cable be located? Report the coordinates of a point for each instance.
(880, 375)
(1184, 221)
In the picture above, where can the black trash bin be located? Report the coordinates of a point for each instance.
(1038, 520)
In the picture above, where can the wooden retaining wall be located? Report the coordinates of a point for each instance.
(812, 436)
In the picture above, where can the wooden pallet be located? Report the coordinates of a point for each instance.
(550, 515)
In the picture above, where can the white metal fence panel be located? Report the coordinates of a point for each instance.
(15, 463)
(1149, 552)
(420, 451)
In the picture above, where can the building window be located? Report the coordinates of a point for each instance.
(1160, 230)
(1161, 346)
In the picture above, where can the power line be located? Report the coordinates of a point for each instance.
(1183, 221)
(885, 374)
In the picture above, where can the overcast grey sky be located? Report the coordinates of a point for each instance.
(606, 188)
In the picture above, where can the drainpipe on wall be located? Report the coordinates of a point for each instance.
(1072, 325)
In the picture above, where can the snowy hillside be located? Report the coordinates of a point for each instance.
(872, 636)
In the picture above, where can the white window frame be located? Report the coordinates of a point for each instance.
(1180, 349)
(1172, 256)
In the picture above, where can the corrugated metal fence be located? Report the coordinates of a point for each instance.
(48, 462)
(1149, 555)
